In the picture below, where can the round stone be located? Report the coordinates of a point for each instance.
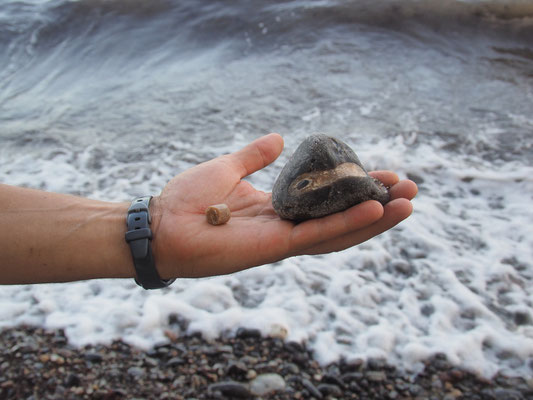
(266, 383)
(322, 177)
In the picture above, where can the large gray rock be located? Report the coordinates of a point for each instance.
(322, 177)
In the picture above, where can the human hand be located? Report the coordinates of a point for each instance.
(185, 245)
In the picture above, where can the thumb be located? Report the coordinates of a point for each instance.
(257, 155)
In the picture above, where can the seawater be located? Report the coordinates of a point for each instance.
(110, 98)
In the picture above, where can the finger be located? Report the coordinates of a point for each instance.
(388, 178)
(258, 154)
(315, 231)
(394, 212)
(404, 189)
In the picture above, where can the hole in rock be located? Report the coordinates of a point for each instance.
(302, 184)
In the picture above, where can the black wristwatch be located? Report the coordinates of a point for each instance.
(139, 237)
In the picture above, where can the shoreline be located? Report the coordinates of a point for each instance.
(40, 364)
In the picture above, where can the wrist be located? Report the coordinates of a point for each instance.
(139, 237)
(155, 210)
(117, 262)
(158, 246)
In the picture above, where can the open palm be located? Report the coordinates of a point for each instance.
(185, 245)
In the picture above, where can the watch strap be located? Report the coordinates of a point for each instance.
(139, 237)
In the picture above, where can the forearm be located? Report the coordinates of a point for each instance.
(49, 237)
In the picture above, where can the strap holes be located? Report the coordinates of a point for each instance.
(137, 218)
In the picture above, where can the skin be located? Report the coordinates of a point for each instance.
(50, 237)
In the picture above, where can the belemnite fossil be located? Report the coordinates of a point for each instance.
(322, 177)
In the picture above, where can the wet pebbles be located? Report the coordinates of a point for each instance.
(36, 364)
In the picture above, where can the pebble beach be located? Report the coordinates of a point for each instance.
(109, 99)
(40, 364)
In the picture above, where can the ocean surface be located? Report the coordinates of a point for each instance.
(110, 98)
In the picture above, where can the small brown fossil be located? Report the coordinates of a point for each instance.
(218, 214)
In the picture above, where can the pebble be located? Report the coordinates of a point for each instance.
(290, 368)
(93, 357)
(352, 376)
(506, 394)
(191, 368)
(329, 390)
(393, 394)
(352, 365)
(267, 383)
(312, 389)
(454, 394)
(230, 389)
(376, 364)
(246, 333)
(415, 389)
(251, 374)
(294, 347)
(44, 358)
(332, 379)
(136, 372)
(278, 331)
(72, 380)
(218, 214)
(236, 370)
(376, 376)
(175, 362)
